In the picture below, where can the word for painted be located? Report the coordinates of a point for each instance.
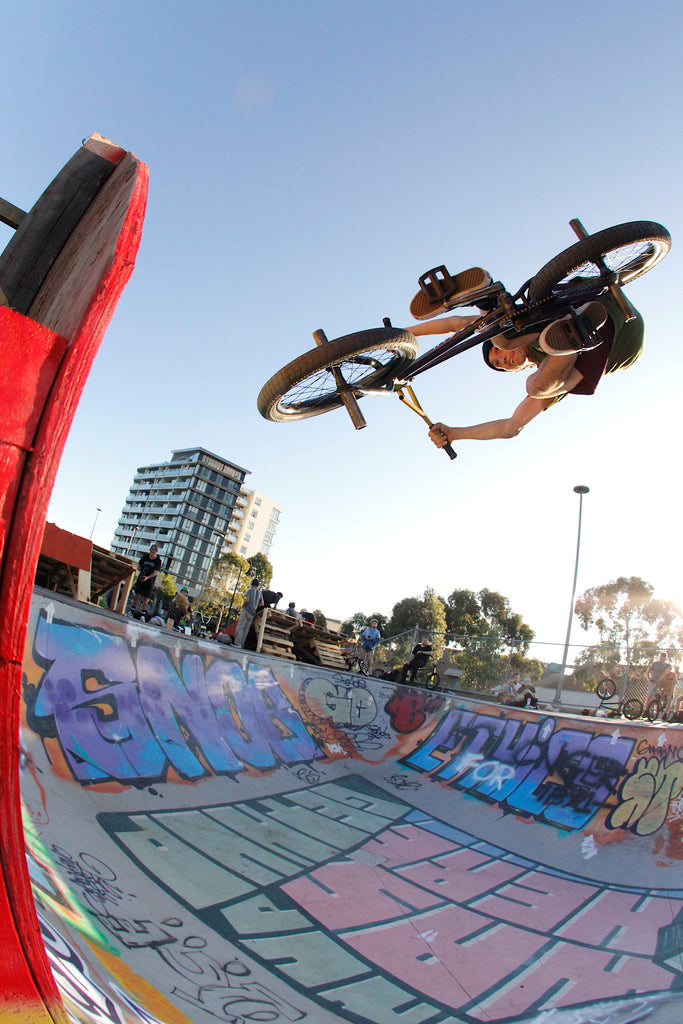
(130, 714)
(561, 776)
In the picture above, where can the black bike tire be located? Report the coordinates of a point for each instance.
(606, 689)
(544, 283)
(401, 344)
(654, 709)
(632, 708)
(433, 681)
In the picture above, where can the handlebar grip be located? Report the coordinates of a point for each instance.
(449, 452)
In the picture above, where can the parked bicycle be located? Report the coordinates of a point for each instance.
(428, 678)
(354, 662)
(384, 360)
(631, 707)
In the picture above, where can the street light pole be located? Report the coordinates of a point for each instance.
(580, 489)
(97, 513)
(130, 542)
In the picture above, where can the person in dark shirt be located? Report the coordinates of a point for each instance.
(149, 568)
(422, 652)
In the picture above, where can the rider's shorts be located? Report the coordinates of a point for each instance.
(591, 365)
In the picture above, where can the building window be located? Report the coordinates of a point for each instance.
(243, 550)
(257, 501)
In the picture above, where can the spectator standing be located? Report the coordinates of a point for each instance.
(661, 677)
(367, 641)
(149, 568)
(253, 600)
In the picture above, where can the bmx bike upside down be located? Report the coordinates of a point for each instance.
(383, 360)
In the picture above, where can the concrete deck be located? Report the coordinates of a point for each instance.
(220, 835)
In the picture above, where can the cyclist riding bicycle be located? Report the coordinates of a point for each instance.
(565, 359)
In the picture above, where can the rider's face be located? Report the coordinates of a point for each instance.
(508, 359)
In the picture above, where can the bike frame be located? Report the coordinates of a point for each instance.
(516, 313)
(513, 311)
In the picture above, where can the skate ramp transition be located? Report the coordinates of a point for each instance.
(217, 835)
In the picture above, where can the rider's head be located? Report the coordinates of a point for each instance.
(506, 360)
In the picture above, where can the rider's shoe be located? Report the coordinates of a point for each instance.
(563, 337)
(440, 290)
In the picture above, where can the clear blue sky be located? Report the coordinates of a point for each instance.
(308, 161)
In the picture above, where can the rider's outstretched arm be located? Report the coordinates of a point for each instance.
(527, 409)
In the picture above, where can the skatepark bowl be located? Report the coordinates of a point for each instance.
(214, 834)
(193, 833)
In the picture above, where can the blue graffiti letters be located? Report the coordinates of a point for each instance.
(560, 776)
(130, 714)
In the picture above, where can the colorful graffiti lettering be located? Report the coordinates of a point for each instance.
(129, 715)
(408, 709)
(562, 776)
(645, 796)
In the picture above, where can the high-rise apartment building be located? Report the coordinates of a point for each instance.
(253, 526)
(183, 506)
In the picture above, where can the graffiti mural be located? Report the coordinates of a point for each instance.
(555, 774)
(236, 838)
(128, 713)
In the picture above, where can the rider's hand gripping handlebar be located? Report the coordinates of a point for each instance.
(408, 397)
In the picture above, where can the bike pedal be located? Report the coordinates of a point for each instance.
(437, 284)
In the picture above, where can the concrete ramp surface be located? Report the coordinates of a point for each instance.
(224, 836)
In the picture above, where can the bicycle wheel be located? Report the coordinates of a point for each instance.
(433, 681)
(606, 689)
(632, 708)
(654, 709)
(310, 384)
(627, 250)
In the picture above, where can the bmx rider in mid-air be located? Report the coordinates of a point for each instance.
(563, 363)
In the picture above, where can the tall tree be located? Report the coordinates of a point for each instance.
(427, 613)
(632, 623)
(487, 613)
(227, 583)
(491, 637)
(261, 568)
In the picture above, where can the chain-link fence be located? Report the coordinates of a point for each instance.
(484, 665)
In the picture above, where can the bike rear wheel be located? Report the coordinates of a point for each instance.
(314, 382)
(632, 708)
(626, 250)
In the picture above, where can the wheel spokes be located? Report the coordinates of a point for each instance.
(350, 373)
(626, 259)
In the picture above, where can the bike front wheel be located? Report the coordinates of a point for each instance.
(433, 681)
(624, 252)
(314, 382)
(606, 689)
(654, 709)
